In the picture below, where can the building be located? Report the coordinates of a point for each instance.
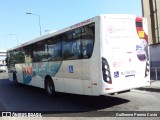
(151, 10)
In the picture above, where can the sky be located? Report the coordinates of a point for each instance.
(17, 27)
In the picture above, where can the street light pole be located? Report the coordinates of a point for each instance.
(38, 19)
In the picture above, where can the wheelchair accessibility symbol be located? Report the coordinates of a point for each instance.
(70, 68)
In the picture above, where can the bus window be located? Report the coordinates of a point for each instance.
(28, 54)
(55, 48)
(40, 52)
(17, 56)
(72, 44)
(88, 37)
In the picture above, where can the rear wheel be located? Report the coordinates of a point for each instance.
(49, 86)
(15, 78)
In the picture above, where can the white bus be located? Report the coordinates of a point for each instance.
(103, 55)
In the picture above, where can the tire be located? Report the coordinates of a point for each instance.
(49, 87)
(15, 78)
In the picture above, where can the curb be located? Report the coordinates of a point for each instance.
(155, 83)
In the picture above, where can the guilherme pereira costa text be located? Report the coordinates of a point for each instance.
(137, 114)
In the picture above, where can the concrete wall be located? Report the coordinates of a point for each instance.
(146, 14)
(149, 12)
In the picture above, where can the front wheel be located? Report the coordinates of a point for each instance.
(49, 86)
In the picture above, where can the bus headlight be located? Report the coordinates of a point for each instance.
(106, 71)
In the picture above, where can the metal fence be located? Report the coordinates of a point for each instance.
(155, 73)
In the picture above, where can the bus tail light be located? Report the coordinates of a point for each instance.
(106, 71)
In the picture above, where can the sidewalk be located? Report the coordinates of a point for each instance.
(155, 83)
(154, 87)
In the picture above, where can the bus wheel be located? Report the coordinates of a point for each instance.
(15, 78)
(49, 86)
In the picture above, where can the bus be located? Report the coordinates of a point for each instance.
(102, 55)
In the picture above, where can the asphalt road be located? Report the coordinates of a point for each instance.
(23, 98)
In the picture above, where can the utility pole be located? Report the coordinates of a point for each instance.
(157, 24)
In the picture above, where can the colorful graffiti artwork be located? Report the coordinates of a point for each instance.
(39, 69)
(27, 74)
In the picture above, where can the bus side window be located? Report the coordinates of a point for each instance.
(55, 48)
(71, 44)
(40, 53)
(28, 54)
(17, 56)
(88, 37)
(89, 50)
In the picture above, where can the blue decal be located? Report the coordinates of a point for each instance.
(27, 79)
(70, 68)
(46, 68)
(116, 74)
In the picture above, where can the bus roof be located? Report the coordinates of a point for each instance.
(40, 38)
